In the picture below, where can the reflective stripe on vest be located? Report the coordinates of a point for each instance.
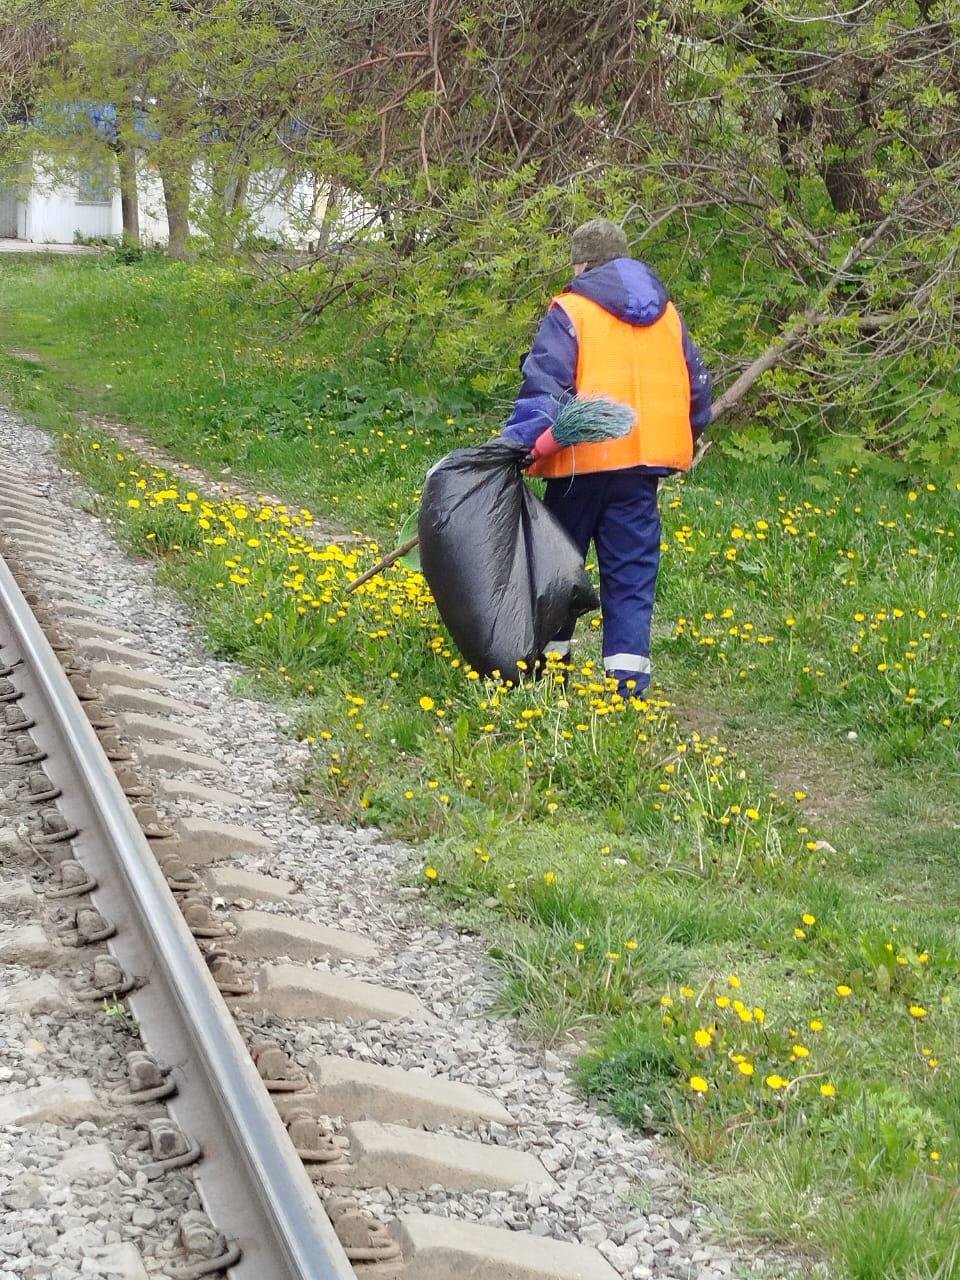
(639, 365)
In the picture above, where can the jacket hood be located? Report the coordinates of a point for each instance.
(626, 288)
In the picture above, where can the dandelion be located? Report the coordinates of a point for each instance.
(799, 934)
(666, 1001)
(431, 873)
(550, 877)
(828, 1090)
(579, 946)
(808, 919)
(631, 945)
(698, 1084)
(746, 1069)
(703, 1037)
(775, 1082)
(917, 1011)
(799, 795)
(843, 990)
(733, 981)
(815, 1024)
(427, 704)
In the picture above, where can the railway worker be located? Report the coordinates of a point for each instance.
(613, 332)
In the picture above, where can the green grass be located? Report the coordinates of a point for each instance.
(633, 872)
(223, 376)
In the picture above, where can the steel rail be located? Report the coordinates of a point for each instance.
(252, 1184)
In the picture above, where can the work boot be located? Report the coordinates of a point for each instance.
(630, 684)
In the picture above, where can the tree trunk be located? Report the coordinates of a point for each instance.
(331, 212)
(129, 199)
(240, 189)
(176, 199)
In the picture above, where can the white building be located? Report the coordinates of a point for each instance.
(45, 205)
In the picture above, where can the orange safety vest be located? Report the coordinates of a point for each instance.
(642, 366)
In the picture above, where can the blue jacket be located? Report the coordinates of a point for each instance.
(632, 292)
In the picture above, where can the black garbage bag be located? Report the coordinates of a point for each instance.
(504, 574)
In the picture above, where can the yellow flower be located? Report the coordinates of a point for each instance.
(686, 992)
(427, 703)
(698, 1084)
(631, 945)
(753, 815)
(801, 1051)
(745, 1068)
(799, 934)
(666, 1001)
(934, 1155)
(430, 872)
(828, 1090)
(917, 1011)
(733, 981)
(843, 990)
(808, 919)
(722, 1002)
(799, 795)
(703, 1037)
(776, 1082)
(815, 1024)
(550, 877)
(579, 946)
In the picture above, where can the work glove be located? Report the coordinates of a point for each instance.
(545, 444)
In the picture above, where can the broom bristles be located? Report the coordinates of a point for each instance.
(592, 419)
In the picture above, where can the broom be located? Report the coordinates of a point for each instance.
(586, 420)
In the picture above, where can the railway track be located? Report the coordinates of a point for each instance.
(275, 1148)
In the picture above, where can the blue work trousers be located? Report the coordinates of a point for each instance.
(618, 512)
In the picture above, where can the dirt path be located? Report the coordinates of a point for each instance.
(224, 487)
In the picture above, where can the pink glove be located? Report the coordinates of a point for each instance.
(545, 444)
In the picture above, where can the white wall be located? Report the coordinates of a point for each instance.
(153, 212)
(285, 210)
(281, 209)
(53, 211)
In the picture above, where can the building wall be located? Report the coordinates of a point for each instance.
(9, 206)
(153, 213)
(54, 210)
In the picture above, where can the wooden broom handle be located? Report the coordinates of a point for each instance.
(385, 563)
